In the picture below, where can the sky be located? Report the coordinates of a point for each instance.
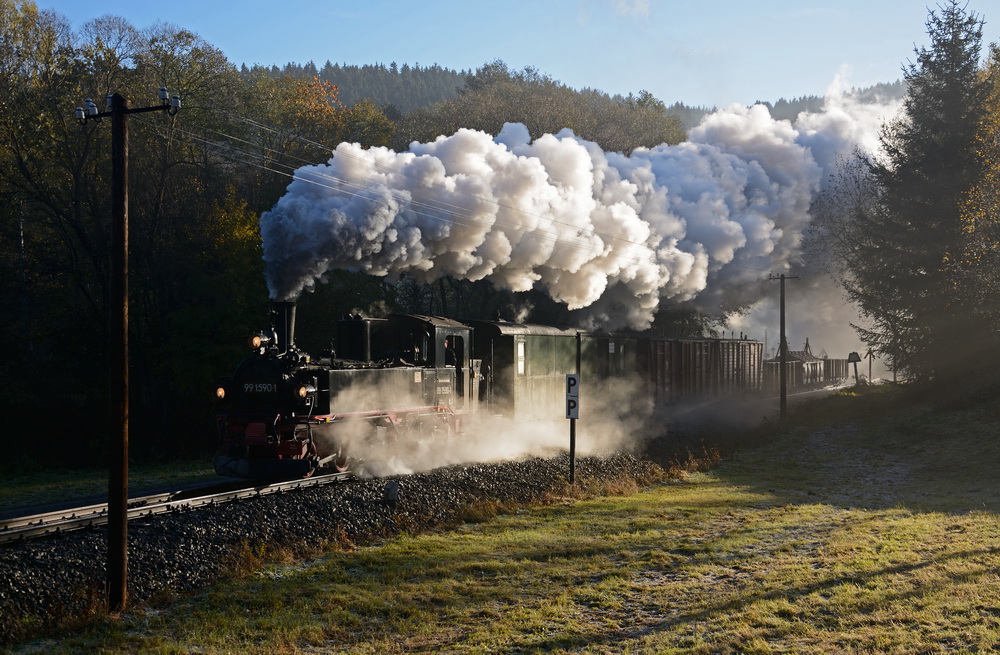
(710, 53)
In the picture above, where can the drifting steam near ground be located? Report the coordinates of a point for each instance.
(703, 222)
(612, 236)
(613, 419)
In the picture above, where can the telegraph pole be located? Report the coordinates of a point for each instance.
(118, 111)
(783, 348)
(118, 470)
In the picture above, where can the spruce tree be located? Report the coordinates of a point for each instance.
(906, 245)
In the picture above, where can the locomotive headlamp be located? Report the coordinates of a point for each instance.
(220, 393)
(259, 340)
(306, 390)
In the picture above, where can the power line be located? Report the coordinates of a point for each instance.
(457, 215)
(434, 209)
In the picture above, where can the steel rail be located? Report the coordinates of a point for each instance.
(75, 518)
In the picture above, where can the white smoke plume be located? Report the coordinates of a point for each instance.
(609, 235)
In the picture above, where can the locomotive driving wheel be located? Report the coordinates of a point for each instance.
(340, 460)
(433, 428)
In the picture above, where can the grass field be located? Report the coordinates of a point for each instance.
(870, 526)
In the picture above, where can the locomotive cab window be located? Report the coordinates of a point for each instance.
(418, 345)
(450, 351)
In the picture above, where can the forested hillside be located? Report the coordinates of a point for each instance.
(403, 89)
(880, 93)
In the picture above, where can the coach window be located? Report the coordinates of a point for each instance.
(520, 357)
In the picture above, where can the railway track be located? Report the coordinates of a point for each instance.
(75, 518)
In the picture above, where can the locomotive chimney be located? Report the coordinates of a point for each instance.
(283, 319)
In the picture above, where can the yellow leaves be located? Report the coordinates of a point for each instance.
(317, 100)
(233, 223)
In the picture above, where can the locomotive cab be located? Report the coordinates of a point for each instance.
(444, 347)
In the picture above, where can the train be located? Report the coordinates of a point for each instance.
(285, 414)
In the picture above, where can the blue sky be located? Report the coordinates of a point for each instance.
(710, 52)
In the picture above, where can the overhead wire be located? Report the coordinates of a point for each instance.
(396, 171)
(443, 211)
(432, 209)
(454, 217)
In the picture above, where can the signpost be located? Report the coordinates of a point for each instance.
(573, 406)
(572, 413)
(854, 358)
(572, 396)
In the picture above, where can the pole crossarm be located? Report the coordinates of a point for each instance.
(89, 111)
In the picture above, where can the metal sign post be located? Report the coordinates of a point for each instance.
(572, 413)
(854, 358)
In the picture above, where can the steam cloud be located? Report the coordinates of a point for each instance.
(817, 309)
(616, 418)
(610, 235)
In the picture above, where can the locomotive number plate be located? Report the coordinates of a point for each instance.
(259, 387)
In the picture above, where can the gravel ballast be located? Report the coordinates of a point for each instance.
(55, 580)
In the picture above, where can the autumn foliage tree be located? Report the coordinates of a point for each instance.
(495, 95)
(199, 181)
(979, 263)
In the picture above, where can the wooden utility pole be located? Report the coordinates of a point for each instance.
(117, 559)
(118, 471)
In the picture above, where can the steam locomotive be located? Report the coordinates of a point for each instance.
(406, 377)
(284, 414)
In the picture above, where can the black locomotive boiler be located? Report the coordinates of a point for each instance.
(285, 414)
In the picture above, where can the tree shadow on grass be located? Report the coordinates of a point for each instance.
(744, 599)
